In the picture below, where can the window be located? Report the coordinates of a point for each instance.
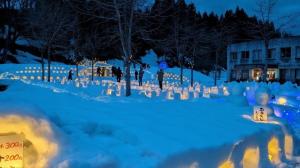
(245, 75)
(257, 55)
(297, 73)
(271, 53)
(272, 74)
(233, 56)
(298, 52)
(285, 52)
(245, 54)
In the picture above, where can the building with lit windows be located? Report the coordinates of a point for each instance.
(247, 61)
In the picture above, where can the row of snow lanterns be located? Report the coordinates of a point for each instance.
(39, 78)
(171, 92)
(52, 67)
(30, 72)
(174, 76)
(39, 71)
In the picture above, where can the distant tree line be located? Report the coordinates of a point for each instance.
(173, 29)
(71, 30)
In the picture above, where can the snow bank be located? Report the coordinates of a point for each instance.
(138, 132)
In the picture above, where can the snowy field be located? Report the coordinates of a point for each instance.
(94, 125)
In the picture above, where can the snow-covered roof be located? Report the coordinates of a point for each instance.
(102, 64)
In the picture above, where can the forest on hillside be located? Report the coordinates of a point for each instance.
(71, 30)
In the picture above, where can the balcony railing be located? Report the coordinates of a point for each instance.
(244, 61)
(285, 59)
(233, 60)
(271, 60)
(257, 61)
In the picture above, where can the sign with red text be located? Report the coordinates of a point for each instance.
(11, 151)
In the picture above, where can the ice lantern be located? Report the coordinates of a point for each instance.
(262, 111)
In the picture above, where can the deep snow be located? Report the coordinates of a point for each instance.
(95, 130)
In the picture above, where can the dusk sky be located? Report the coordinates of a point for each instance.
(283, 8)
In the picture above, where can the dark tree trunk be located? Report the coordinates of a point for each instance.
(49, 63)
(77, 69)
(181, 74)
(127, 76)
(265, 75)
(192, 76)
(43, 66)
(92, 69)
(216, 69)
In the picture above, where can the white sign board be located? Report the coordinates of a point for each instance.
(260, 113)
(11, 151)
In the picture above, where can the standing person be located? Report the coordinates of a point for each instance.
(70, 76)
(141, 74)
(136, 75)
(119, 74)
(160, 77)
(98, 71)
(113, 71)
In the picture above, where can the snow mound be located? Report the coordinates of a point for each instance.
(150, 58)
(26, 58)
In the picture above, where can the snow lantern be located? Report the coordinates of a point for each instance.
(261, 113)
(206, 92)
(227, 164)
(157, 92)
(170, 94)
(251, 158)
(196, 94)
(184, 94)
(274, 151)
(214, 90)
(198, 88)
(191, 89)
(225, 91)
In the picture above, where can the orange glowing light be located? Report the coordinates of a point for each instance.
(39, 146)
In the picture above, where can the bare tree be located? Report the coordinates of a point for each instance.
(50, 23)
(92, 42)
(222, 35)
(181, 33)
(8, 4)
(8, 32)
(265, 11)
(197, 48)
(122, 13)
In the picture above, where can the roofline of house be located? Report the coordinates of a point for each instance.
(258, 41)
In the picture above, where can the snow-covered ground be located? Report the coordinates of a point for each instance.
(95, 128)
